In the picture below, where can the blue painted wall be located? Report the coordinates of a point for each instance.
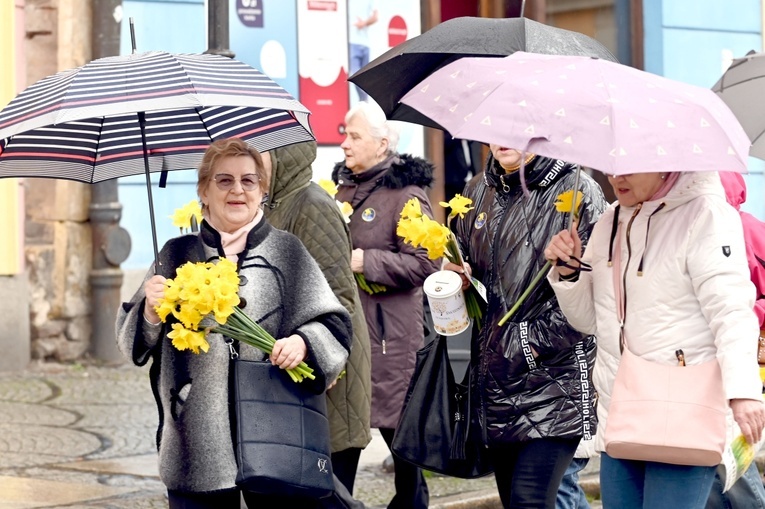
(175, 26)
(693, 40)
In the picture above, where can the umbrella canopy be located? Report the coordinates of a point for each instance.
(143, 113)
(597, 113)
(742, 88)
(83, 124)
(394, 73)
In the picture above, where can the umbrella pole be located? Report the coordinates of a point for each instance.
(142, 123)
(573, 200)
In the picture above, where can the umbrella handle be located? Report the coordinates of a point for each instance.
(573, 200)
(142, 123)
(132, 34)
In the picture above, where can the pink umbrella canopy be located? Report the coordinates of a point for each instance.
(589, 111)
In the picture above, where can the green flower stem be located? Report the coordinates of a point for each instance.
(526, 293)
(473, 307)
(241, 327)
(370, 288)
(471, 299)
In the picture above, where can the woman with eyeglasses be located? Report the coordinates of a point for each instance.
(669, 281)
(281, 287)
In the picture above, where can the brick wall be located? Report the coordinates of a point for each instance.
(57, 231)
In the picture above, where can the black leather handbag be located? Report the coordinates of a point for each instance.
(437, 430)
(281, 433)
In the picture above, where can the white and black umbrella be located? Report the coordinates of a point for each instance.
(143, 113)
(742, 87)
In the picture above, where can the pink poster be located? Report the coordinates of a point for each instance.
(322, 66)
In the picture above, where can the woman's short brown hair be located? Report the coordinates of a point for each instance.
(231, 147)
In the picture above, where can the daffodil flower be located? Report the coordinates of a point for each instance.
(329, 186)
(186, 339)
(201, 289)
(182, 216)
(459, 205)
(563, 202)
(419, 230)
(412, 209)
(346, 210)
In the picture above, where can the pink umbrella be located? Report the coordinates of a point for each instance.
(597, 113)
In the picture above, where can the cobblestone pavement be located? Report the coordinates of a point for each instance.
(82, 436)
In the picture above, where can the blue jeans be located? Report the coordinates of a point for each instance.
(570, 494)
(626, 484)
(359, 57)
(747, 493)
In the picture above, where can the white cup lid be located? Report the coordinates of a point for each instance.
(443, 283)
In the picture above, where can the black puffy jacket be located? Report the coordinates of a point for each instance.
(525, 397)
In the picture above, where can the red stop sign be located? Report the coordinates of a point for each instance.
(396, 31)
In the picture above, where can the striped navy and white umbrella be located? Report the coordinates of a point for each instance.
(83, 124)
(143, 113)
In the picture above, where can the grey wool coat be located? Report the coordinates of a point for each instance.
(301, 207)
(394, 317)
(284, 291)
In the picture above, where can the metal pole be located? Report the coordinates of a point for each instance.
(217, 28)
(109, 249)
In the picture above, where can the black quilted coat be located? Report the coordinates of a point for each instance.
(301, 207)
(522, 396)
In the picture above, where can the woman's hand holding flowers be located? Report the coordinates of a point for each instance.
(750, 417)
(289, 352)
(154, 289)
(564, 246)
(464, 273)
(357, 261)
(567, 202)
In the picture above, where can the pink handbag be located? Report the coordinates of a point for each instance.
(667, 413)
(661, 412)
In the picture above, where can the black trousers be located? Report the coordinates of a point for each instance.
(528, 474)
(411, 488)
(229, 499)
(345, 464)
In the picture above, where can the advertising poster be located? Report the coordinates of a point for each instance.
(398, 20)
(263, 34)
(322, 67)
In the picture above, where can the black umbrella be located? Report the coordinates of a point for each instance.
(391, 75)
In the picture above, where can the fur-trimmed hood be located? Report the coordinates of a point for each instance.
(402, 170)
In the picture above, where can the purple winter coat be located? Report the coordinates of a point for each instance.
(394, 317)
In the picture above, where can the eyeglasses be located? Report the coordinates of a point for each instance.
(225, 182)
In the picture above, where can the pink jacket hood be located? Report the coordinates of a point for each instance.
(754, 237)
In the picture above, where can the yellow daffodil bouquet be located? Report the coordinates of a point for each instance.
(565, 203)
(202, 290)
(438, 240)
(346, 210)
(188, 217)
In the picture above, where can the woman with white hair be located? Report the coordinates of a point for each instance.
(377, 182)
